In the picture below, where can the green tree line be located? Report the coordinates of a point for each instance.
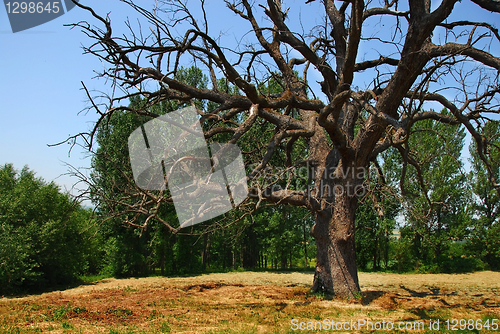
(45, 236)
(420, 212)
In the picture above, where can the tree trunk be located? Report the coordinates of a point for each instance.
(306, 260)
(234, 259)
(376, 257)
(336, 269)
(283, 259)
(204, 252)
(386, 248)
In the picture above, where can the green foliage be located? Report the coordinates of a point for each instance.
(460, 260)
(485, 229)
(130, 251)
(401, 253)
(274, 236)
(41, 232)
(435, 196)
(451, 218)
(436, 193)
(16, 265)
(376, 218)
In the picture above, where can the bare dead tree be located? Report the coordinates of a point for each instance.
(345, 131)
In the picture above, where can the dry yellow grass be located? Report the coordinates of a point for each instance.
(247, 302)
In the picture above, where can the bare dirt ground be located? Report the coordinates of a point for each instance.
(250, 302)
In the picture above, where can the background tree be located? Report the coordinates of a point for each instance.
(436, 193)
(425, 53)
(44, 234)
(132, 252)
(485, 229)
(376, 216)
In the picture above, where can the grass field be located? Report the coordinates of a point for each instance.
(255, 302)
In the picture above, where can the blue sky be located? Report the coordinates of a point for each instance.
(41, 73)
(40, 90)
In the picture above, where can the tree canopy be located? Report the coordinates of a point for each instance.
(422, 56)
(44, 233)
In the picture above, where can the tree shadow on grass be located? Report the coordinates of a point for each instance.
(369, 296)
(46, 289)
